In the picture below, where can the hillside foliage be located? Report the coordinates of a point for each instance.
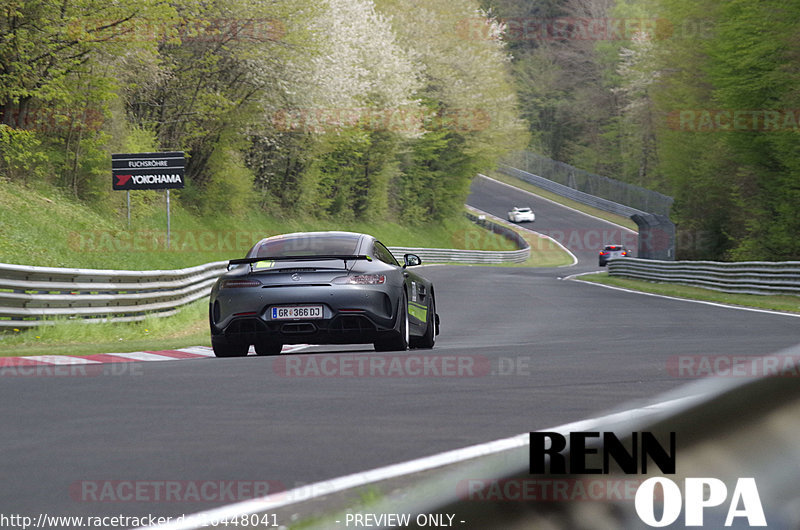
(340, 109)
(697, 99)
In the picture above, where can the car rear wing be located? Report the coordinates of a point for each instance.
(321, 257)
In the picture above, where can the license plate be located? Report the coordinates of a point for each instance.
(295, 312)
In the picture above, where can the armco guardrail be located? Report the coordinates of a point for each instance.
(726, 428)
(439, 255)
(594, 185)
(570, 193)
(657, 232)
(31, 296)
(479, 218)
(745, 277)
(442, 255)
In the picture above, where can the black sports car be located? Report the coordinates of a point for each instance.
(321, 288)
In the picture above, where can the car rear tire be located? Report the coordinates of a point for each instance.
(227, 348)
(268, 348)
(429, 338)
(398, 341)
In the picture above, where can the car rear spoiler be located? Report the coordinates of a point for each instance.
(321, 257)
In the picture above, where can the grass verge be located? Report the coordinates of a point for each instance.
(46, 228)
(189, 327)
(519, 183)
(544, 251)
(771, 302)
(42, 227)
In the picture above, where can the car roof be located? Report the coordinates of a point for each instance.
(328, 233)
(358, 238)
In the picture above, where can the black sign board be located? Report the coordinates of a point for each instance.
(148, 171)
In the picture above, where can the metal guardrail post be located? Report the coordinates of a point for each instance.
(31, 295)
(656, 236)
(748, 277)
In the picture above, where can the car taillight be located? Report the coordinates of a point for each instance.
(603, 253)
(234, 284)
(361, 279)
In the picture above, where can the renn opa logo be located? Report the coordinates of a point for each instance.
(593, 453)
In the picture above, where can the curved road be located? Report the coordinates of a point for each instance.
(582, 234)
(534, 351)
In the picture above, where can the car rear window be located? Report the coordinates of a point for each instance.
(613, 247)
(307, 245)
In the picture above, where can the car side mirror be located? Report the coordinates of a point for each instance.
(411, 260)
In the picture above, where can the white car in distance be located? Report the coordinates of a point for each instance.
(521, 215)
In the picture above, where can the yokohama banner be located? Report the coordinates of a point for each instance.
(148, 171)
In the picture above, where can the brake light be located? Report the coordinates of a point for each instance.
(236, 284)
(361, 279)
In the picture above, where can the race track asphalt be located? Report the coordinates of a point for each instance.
(530, 351)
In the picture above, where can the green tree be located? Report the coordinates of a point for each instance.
(754, 68)
(469, 104)
(53, 82)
